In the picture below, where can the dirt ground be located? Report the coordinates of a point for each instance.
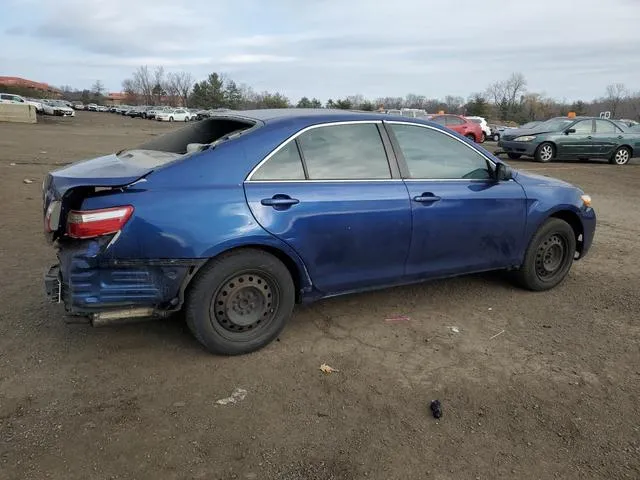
(555, 395)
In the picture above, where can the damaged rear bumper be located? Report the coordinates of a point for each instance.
(88, 284)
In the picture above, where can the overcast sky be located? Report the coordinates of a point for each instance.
(568, 49)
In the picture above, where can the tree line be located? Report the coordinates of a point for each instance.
(507, 100)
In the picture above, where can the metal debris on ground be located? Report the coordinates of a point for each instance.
(327, 369)
(238, 395)
(497, 334)
(436, 408)
(26, 180)
(398, 319)
(454, 329)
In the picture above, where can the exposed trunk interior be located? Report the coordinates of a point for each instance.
(203, 132)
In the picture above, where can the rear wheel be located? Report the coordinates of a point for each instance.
(186, 119)
(496, 137)
(471, 137)
(240, 302)
(545, 152)
(514, 156)
(549, 256)
(484, 137)
(171, 119)
(621, 156)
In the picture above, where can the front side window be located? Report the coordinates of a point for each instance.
(344, 152)
(439, 120)
(431, 154)
(583, 127)
(285, 164)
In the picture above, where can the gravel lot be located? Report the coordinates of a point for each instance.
(554, 396)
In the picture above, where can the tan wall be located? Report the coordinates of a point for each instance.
(16, 112)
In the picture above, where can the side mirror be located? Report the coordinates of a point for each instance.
(503, 172)
(569, 130)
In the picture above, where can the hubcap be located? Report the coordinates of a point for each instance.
(551, 256)
(244, 303)
(622, 157)
(546, 152)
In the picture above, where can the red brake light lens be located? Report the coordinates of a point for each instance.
(94, 223)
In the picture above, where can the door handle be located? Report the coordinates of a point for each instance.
(279, 201)
(426, 198)
(589, 137)
(620, 137)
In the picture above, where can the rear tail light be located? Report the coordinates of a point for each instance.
(94, 223)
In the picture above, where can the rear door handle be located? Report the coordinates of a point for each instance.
(589, 137)
(426, 198)
(620, 137)
(279, 201)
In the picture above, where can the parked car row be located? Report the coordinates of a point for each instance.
(579, 138)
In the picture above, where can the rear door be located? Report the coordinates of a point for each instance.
(463, 219)
(606, 138)
(578, 143)
(457, 124)
(333, 196)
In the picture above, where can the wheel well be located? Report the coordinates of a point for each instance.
(629, 147)
(555, 147)
(296, 274)
(574, 221)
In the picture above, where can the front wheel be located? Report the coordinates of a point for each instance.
(549, 256)
(240, 302)
(171, 119)
(496, 137)
(621, 156)
(545, 152)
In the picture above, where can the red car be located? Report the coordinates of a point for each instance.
(465, 127)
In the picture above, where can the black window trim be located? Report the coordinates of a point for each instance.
(402, 163)
(392, 161)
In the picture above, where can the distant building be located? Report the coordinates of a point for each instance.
(115, 98)
(29, 87)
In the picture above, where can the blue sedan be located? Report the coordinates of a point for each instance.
(239, 217)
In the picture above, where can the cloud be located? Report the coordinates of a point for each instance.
(330, 48)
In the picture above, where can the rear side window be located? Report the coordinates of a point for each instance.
(602, 126)
(439, 120)
(344, 152)
(454, 121)
(285, 164)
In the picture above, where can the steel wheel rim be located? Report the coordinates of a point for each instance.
(244, 305)
(546, 152)
(622, 156)
(551, 257)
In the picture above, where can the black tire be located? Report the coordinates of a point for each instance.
(549, 256)
(496, 137)
(514, 156)
(621, 156)
(471, 137)
(171, 119)
(484, 137)
(545, 152)
(240, 302)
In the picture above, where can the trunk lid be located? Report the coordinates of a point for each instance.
(65, 187)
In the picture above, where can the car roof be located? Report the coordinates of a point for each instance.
(315, 114)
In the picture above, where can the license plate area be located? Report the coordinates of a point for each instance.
(53, 284)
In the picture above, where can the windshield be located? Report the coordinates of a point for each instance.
(555, 124)
(530, 124)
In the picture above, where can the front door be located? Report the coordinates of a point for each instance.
(578, 143)
(463, 220)
(338, 206)
(606, 138)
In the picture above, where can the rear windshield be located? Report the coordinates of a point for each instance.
(205, 133)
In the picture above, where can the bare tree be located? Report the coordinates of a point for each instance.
(179, 84)
(616, 93)
(507, 93)
(452, 104)
(142, 82)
